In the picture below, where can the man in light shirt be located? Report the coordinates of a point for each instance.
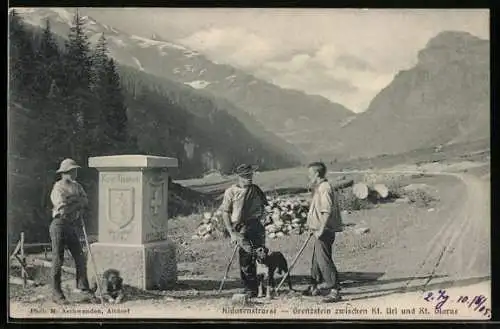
(323, 220)
(242, 211)
(69, 201)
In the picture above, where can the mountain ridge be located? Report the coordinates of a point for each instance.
(252, 126)
(432, 103)
(277, 109)
(443, 99)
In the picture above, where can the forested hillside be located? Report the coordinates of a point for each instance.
(212, 128)
(69, 101)
(306, 121)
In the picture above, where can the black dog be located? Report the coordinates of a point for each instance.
(269, 265)
(111, 285)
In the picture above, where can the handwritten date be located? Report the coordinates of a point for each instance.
(478, 303)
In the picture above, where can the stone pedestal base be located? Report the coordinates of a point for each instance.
(149, 267)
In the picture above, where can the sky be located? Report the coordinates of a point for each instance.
(345, 55)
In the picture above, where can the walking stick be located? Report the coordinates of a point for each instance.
(294, 261)
(97, 279)
(228, 267)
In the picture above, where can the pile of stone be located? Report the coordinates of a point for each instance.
(211, 226)
(285, 215)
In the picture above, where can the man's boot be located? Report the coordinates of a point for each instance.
(59, 298)
(312, 290)
(85, 295)
(333, 296)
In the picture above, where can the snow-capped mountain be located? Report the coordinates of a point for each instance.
(306, 121)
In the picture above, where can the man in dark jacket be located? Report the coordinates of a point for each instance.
(242, 210)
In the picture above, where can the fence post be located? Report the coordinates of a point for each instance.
(23, 262)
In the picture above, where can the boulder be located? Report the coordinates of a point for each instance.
(382, 190)
(239, 299)
(360, 190)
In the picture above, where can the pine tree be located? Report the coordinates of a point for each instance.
(116, 112)
(78, 53)
(99, 63)
(26, 148)
(22, 75)
(21, 58)
(78, 100)
(97, 86)
(55, 123)
(48, 59)
(106, 86)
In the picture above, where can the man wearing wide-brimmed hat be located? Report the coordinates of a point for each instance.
(243, 208)
(69, 201)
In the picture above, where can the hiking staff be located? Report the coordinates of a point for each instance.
(97, 277)
(228, 268)
(294, 261)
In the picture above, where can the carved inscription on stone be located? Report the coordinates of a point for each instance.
(121, 206)
(156, 236)
(120, 236)
(119, 179)
(156, 204)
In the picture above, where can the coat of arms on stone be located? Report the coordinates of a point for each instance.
(121, 206)
(157, 216)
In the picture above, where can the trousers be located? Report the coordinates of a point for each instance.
(64, 235)
(253, 238)
(323, 268)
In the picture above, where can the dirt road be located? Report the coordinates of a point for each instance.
(454, 250)
(461, 248)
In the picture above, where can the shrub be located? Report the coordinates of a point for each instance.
(396, 190)
(420, 198)
(348, 201)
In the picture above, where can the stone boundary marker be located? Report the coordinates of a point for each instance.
(133, 239)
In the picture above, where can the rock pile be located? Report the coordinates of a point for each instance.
(284, 216)
(211, 226)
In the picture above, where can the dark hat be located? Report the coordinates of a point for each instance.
(245, 169)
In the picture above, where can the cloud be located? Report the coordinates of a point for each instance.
(235, 46)
(325, 55)
(341, 77)
(331, 70)
(347, 56)
(353, 62)
(328, 70)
